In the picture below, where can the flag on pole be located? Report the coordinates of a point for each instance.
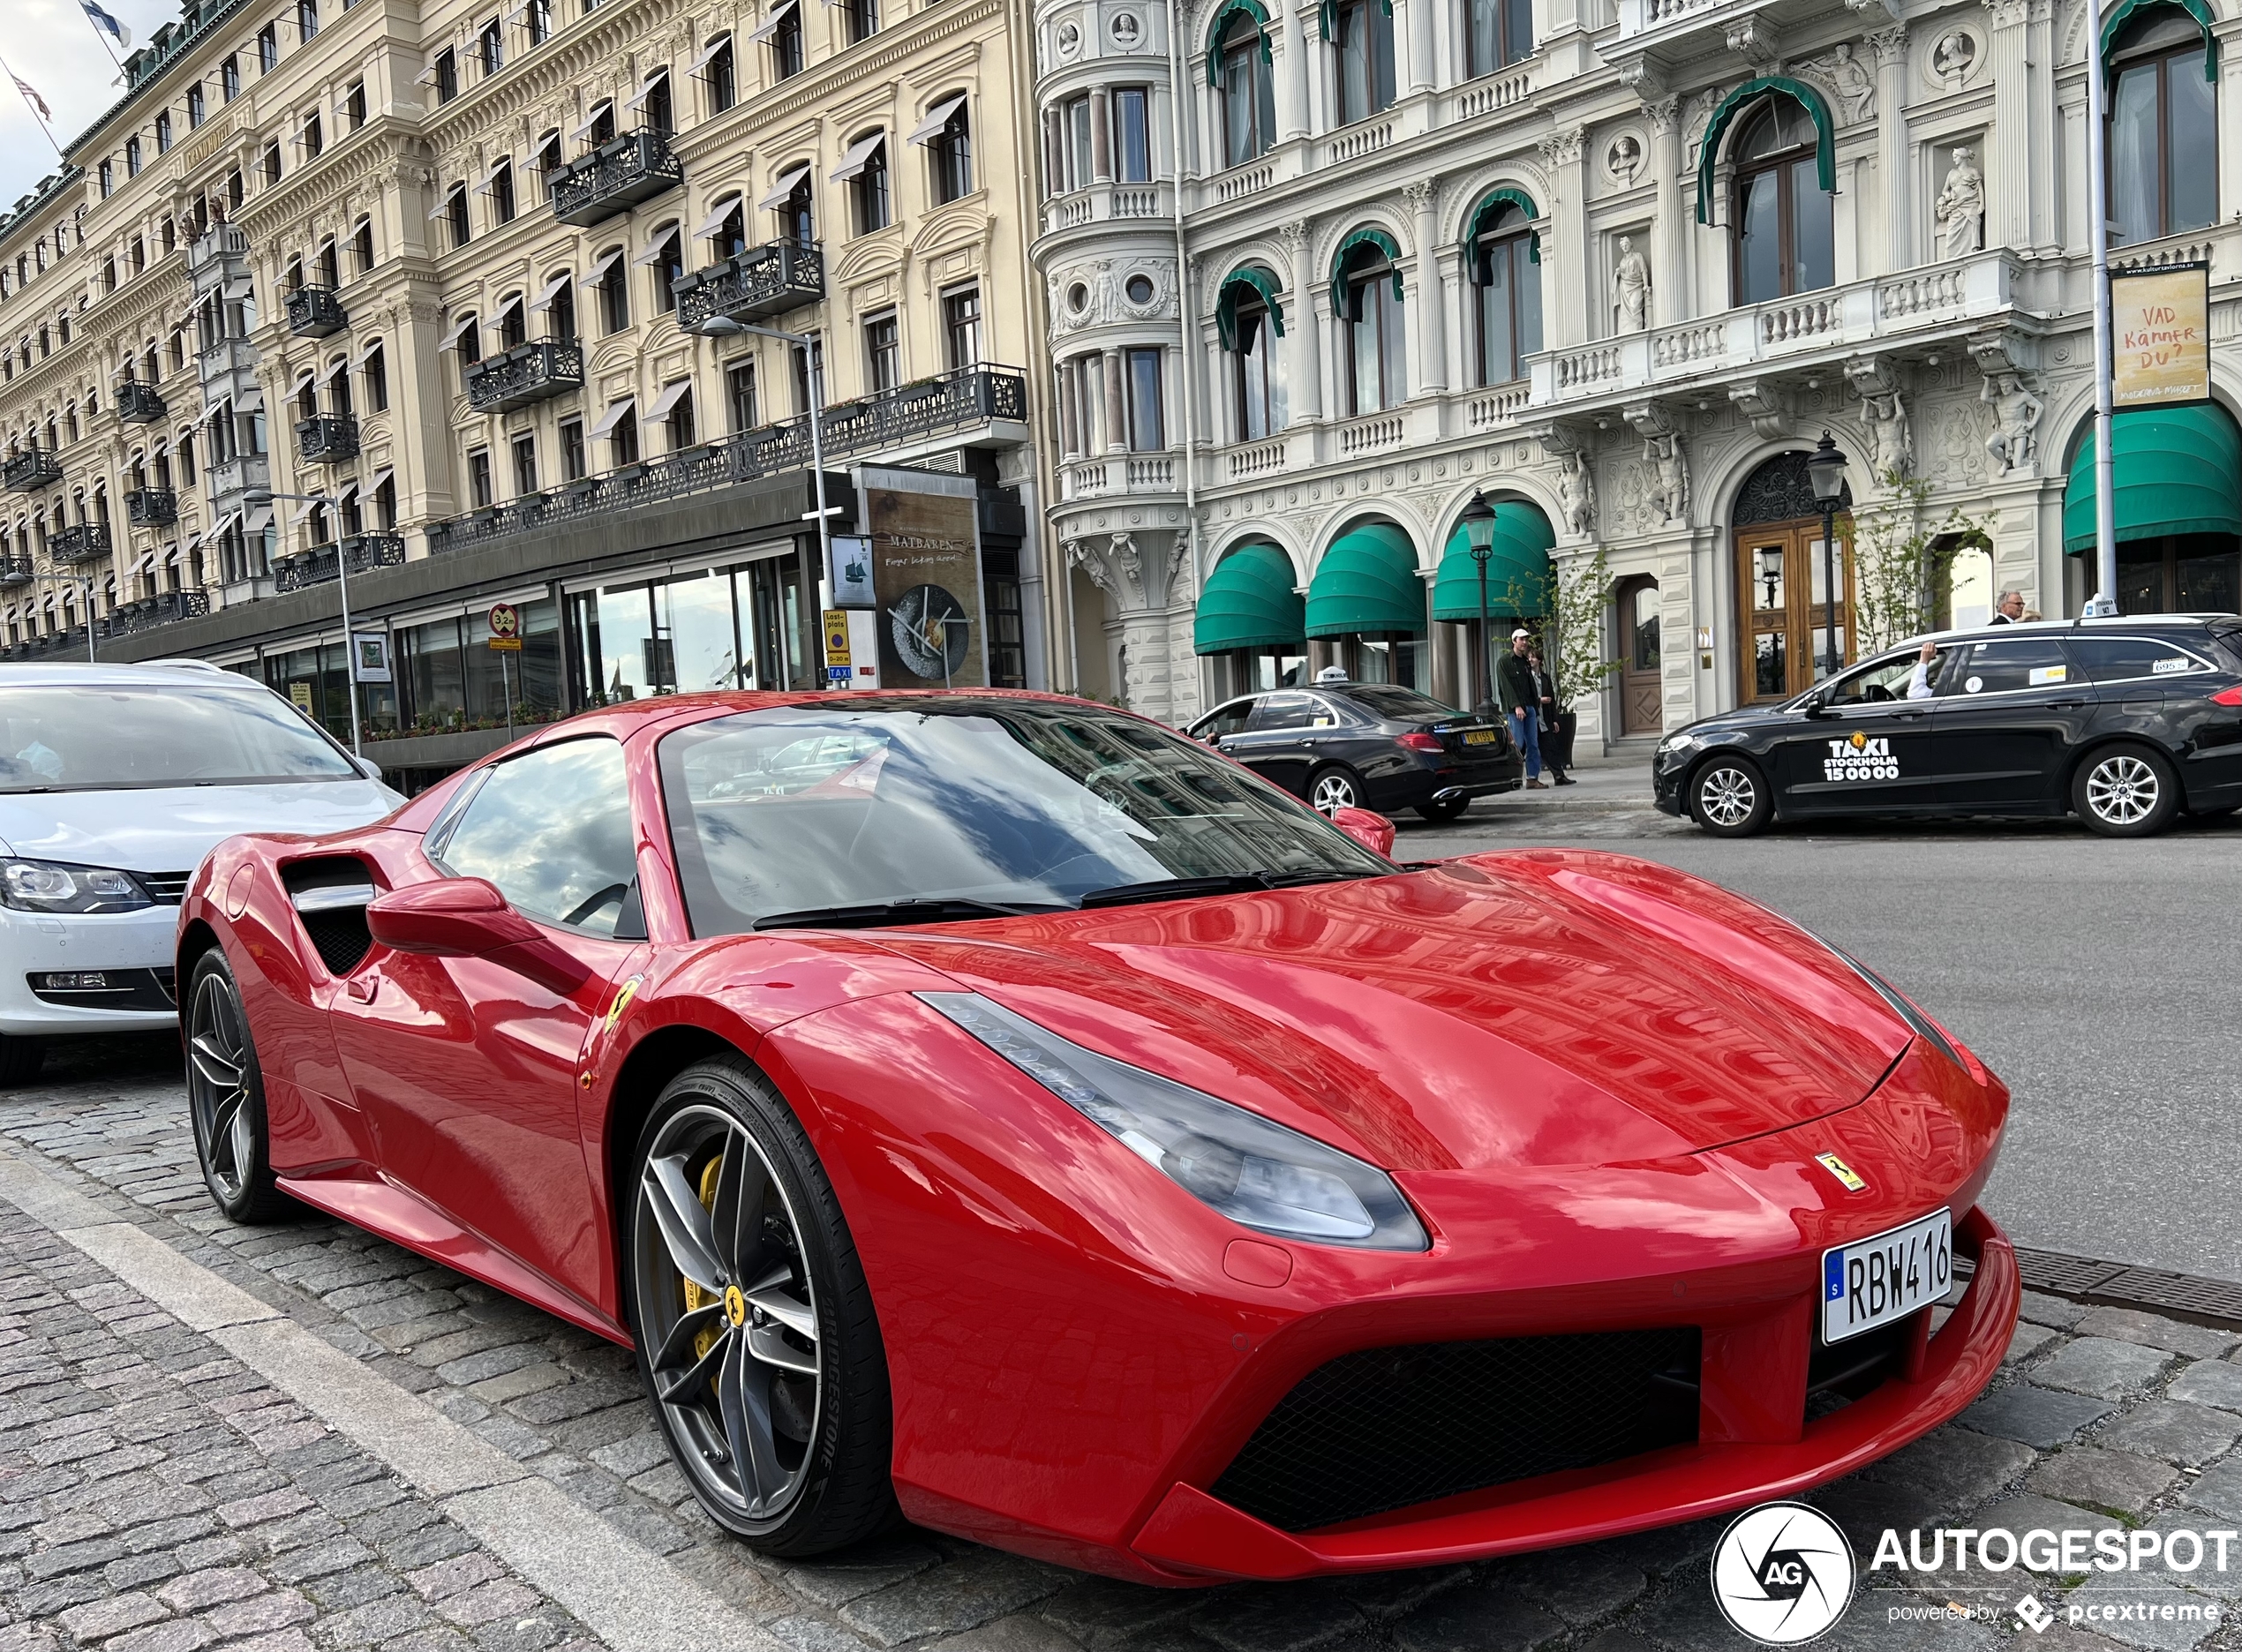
(102, 20)
(32, 97)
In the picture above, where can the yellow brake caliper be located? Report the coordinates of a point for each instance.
(694, 1297)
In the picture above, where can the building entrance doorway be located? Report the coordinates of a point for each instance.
(1642, 707)
(1782, 583)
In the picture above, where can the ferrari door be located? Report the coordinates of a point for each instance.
(468, 1068)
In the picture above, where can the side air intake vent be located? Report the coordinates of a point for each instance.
(330, 896)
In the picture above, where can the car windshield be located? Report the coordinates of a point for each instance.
(1403, 704)
(1015, 803)
(111, 736)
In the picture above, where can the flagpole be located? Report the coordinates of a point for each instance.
(23, 89)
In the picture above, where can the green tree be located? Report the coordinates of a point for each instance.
(1900, 561)
(1566, 609)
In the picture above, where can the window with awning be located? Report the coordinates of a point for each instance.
(1249, 602)
(1365, 584)
(2177, 471)
(1517, 572)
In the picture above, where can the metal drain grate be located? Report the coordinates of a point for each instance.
(2188, 1296)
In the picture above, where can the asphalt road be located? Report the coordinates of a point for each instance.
(2102, 980)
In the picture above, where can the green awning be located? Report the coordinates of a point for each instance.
(1366, 237)
(1215, 30)
(1495, 201)
(1252, 278)
(2126, 9)
(2179, 471)
(1248, 603)
(1742, 98)
(1518, 572)
(1366, 584)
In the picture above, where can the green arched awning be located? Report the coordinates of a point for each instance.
(1367, 583)
(1248, 603)
(1250, 278)
(1742, 98)
(1252, 9)
(1369, 235)
(2125, 10)
(1518, 572)
(1506, 195)
(2179, 471)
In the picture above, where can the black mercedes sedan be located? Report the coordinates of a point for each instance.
(1375, 746)
(2123, 722)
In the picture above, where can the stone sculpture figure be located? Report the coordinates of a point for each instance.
(1854, 86)
(1669, 491)
(2016, 414)
(1890, 442)
(1960, 207)
(1576, 495)
(1630, 289)
(1953, 56)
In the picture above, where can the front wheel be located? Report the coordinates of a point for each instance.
(1332, 788)
(226, 1098)
(1730, 798)
(756, 1333)
(2125, 791)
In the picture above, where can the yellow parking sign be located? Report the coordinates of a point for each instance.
(838, 667)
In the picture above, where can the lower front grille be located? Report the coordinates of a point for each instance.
(1387, 1428)
(135, 989)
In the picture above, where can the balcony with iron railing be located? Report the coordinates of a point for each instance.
(950, 403)
(138, 403)
(151, 508)
(15, 569)
(764, 280)
(629, 168)
(161, 609)
(79, 543)
(528, 373)
(361, 552)
(315, 311)
(327, 438)
(30, 470)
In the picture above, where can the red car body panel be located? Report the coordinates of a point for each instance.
(1600, 1083)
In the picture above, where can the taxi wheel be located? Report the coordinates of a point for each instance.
(1730, 798)
(2126, 791)
(1333, 788)
(19, 1060)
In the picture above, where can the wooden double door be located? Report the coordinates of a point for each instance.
(1782, 596)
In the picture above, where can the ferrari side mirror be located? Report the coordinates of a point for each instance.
(467, 917)
(1373, 831)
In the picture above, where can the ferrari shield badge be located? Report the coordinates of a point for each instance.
(1847, 1176)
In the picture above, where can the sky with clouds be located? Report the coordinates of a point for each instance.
(50, 44)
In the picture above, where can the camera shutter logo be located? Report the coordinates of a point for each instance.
(1782, 1573)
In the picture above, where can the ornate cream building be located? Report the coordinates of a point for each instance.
(1618, 263)
(478, 279)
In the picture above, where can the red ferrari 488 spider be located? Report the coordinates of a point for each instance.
(997, 1111)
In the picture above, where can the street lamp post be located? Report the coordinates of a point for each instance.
(1825, 469)
(1478, 532)
(342, 584)
(721, 327)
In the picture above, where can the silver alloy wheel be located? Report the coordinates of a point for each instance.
(2123, 790)
(728, 1312)
(1727, 796)
(218, 1085)
(1332, 792)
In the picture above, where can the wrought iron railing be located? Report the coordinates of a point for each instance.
(526, 373)
(151, 508)
(31, 469)
(625, 171)
(138, 403)
(126, 617)
(315, 311)
(317, 566)
(327, 438)
(80, 542)
(763, 280)
(15, 570)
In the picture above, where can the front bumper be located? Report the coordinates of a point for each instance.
(39, 942)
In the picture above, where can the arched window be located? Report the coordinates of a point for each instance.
(1364, 36)
(720, 75)
(1506, 271)
(513, 322)
(330, 265)
(949, 145)
(1366, 294)
(1240, 75)
(614, 292)
(338, 386)
(864, 170)
(1784, 238)
(726, 228)
(362, 245)
(1249, 320)
(2163, 127)
(667, 248)
(785, 35)
(558, 300)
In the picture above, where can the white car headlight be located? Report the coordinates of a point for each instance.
(1674, 745)
(1254, 1171)
(46, 886)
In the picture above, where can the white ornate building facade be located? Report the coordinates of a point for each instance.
(1319, 270)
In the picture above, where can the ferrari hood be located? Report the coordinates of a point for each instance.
(171, 829)
(1542, 1008)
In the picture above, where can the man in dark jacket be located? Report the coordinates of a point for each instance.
(1522, 699)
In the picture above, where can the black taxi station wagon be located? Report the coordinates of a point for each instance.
(2125, 722)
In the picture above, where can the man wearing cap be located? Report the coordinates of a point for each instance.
(1522, 699)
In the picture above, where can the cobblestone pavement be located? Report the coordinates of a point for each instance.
(154, 1496)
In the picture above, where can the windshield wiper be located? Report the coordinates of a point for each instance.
(1220, 883)
(874, 915)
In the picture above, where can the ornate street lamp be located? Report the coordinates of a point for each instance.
(1825, 469)
(1478, 532)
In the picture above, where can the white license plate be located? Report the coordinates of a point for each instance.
(1874, 1282)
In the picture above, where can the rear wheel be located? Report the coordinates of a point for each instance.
(19, 1060)
(1730, 798)
(755, 1333)
(226, 1098)
(1332, 788)
(1440, 813)
(2127, 790)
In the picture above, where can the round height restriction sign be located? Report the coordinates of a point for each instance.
(505, 627)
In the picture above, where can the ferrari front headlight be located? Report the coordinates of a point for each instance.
(1254, 1170)
(46, 886)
